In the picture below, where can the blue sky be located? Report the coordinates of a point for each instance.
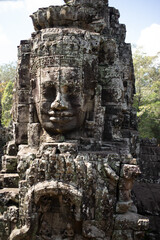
(142, 18)
(137, 15)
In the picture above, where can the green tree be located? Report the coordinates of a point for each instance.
(7, 78)
(7, 73)
(7, 103)
(147, 98)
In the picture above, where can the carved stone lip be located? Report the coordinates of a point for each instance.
(60, 119)
(60, 116)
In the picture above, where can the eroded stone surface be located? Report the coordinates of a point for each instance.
(146, 188)
(75, 129)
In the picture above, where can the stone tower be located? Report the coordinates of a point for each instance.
(74, 147)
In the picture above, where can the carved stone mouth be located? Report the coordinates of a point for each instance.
(59, 116)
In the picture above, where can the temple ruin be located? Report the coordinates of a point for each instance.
(69, 171)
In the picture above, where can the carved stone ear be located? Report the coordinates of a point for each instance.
(108, 50)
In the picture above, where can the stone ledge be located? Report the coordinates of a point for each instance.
(131, 221)
(9, 180)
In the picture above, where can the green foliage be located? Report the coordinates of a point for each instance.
(7, 78)
(147, 98)
(7, 73)
(7, 104)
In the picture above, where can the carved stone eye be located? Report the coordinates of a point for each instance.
(49, 91)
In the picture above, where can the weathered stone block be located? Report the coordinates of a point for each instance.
(124, 195)
(23, 78)
(111, 96)
(23, 113)
(25, 46)
(10, 180)
(33, 134)
(130, 171)
(131, 221)
(11, 148)
(20, 133)
(9, 164)
(90, 230)
(122, 235)
(24, 59)
(122, 207)
(149, 201)
(8, 195)
(3, 234)
(125, 184)
(23, 96)
(139, 235)
(126, 133)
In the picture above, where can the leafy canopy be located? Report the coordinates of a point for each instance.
(147, 98)
(7, 78)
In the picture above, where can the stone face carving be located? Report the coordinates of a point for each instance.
(63, 97)
(64, 88)
(74, 128)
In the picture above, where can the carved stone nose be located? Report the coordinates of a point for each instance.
(59, 103)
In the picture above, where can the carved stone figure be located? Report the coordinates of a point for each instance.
(74, 129)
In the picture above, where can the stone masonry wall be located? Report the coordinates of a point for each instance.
(146, 189)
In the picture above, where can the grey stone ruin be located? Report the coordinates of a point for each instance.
(69, 171)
